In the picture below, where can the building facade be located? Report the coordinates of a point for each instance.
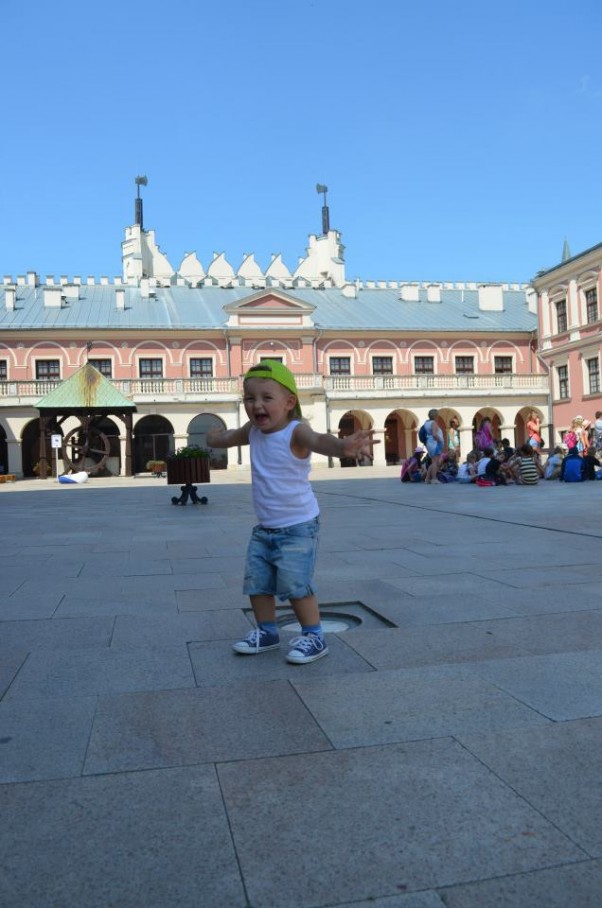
(176, 342)
(570, 328)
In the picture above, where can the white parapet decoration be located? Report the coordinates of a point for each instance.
(249, 269)
(324, 260)
(277, 269)
(191, 268)
(220, 269)
(142, 257)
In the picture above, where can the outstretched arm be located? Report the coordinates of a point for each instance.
(357, 445)
(228, 438)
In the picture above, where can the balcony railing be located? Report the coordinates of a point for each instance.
(369, 383)
(337, 385)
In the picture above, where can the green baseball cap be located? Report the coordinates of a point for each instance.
(271, 368)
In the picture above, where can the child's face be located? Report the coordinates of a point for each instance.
(268, 404)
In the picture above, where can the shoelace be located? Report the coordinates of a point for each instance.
(253, 637)
(306, 642)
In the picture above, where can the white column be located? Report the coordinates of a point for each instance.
(122, 455)
(15, 462)
(574, 315)
(380, 459)
(466, 444)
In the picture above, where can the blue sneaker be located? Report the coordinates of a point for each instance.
(307, 648)
(256, 641)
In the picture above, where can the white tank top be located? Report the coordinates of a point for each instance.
(282, 494)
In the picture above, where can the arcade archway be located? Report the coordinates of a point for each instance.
(153, 440)
(197, 435)
(351, 422)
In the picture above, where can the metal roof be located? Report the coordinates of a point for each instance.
(85, 390)
(173, 308)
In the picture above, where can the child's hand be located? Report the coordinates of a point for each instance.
(359, 444)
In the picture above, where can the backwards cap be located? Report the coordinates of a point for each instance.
(270, 368)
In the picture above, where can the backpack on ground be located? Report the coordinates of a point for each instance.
(422, 435)
(573, 470)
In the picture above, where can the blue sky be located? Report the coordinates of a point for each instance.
(459, 141)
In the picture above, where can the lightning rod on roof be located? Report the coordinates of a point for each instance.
(322, 190)
(138, 219)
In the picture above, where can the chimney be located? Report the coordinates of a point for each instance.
(71, 291)
(120, 298)
(410, 293)
(10, 298)
(53, 297)
(32, 279)
(491, 298)
(433, 293)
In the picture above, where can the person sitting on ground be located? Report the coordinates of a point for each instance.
(509, 467)
(494, 472)
(553, 464)
(413, 470)
(483, 461)
(572, 466)
(467, 471)
(449, 467)
(529, 468)
(507, 448)
(591, 463)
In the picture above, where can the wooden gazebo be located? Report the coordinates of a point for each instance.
(90, 397)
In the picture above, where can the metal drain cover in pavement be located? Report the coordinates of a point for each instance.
(336, 617)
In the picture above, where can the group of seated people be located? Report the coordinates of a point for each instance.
(501, 464)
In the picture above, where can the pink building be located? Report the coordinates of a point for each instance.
(176, 342)
(569, 335)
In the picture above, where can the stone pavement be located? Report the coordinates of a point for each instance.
(448, 751)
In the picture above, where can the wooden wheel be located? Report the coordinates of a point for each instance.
(86, 443)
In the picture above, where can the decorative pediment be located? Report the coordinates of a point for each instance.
(270, 307)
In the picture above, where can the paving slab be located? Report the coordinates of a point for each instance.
(465, 641)
(220, 723)
(576, 885)
(137, 839)
(44, 739)
(414, 900)
(11, 661)
(58, 633)
(556, 768)
(561, 686)
(217, 663)
(95, 671)
(421, 815)
(132, 603)
(388, 706)
(178, 629)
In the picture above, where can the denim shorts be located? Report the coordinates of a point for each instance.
(280, 562)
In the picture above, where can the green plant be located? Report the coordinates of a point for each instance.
(188, 451)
